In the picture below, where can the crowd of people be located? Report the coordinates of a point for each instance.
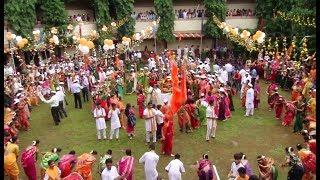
(210, 89)
(190, 14)
(240, 12)
(144, 16)
(84, 18)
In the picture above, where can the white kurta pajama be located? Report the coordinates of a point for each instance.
(175, 168)
(249, 102)
(100, 122)
(115, 122)
(150, 160)
(150, 124)
(211, 122)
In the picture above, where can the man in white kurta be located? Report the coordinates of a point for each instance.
(115, 121)
(224, 75)
(175, 168)
(149, 94)
(156, 97)
(99, 114)
(249, 101)
(110, 172)
(150, 123)
(150, 160)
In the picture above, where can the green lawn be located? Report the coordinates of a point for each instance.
(260, 134)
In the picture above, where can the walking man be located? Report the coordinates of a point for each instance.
(99, 114)
(54, 103)
(150, 123)
(249, 101)
(211, 121)
(85, 89)
(150, 160)
(175, 168)
(75, 89)
(61, 96)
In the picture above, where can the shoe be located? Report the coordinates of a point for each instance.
(171, 155)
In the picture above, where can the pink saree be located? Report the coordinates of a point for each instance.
(28, 162)
(125, 167)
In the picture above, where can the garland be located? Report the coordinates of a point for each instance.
(297, 20)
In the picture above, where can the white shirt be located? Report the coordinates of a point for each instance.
(53, 101)
(229, 67)
(242, 73)
(76, 88)
(150, 160)
(139, 55)
(159, 116)
(150, 122)
(250, 98)
(175, 168)
(109, 174)
(60, 95)
(210, 112)
(224, 75)
(114, 116)
(85, 81)
(234, 169)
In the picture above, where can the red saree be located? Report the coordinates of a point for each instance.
(278, 108)
(66, 163)
(190, 109)
(140, 103)
(167, 134)
(289, 114)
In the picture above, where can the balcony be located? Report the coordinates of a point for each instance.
(194, 25)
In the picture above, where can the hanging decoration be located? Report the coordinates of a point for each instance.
(251, 43)
(297, 20)
(113, 26)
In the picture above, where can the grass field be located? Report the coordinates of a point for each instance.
(260, 134)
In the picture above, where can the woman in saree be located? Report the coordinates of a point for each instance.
(131, 120)
(184, 120)
(120, 86)
(190, 107)
(66, 163)
(308, 161)
(140, 103)
(85, 164)
(243, 98)
(290, 112)
(230, 92)
(298, 124)
(11, 166)
(222, 105)
(295, 92)
(292, 160)
(267, 169)
(34, 100)
(167, 134)
(271, 89)
(201, 112)
(53, 155)
(206, 170)
(126, 166)
(52, 172)
(12, 146)
(28, 160)
(257, 91)
(278, 106)
(22, 114)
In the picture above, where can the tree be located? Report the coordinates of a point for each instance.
(164, 9)
(218, 8)
(102, 17)
(54, 14)
(124, 9)
(21, 16)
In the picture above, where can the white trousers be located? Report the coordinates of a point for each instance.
(114, 131)
(249, 111)
(211, 128)
(154, 136)
(103, 132)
